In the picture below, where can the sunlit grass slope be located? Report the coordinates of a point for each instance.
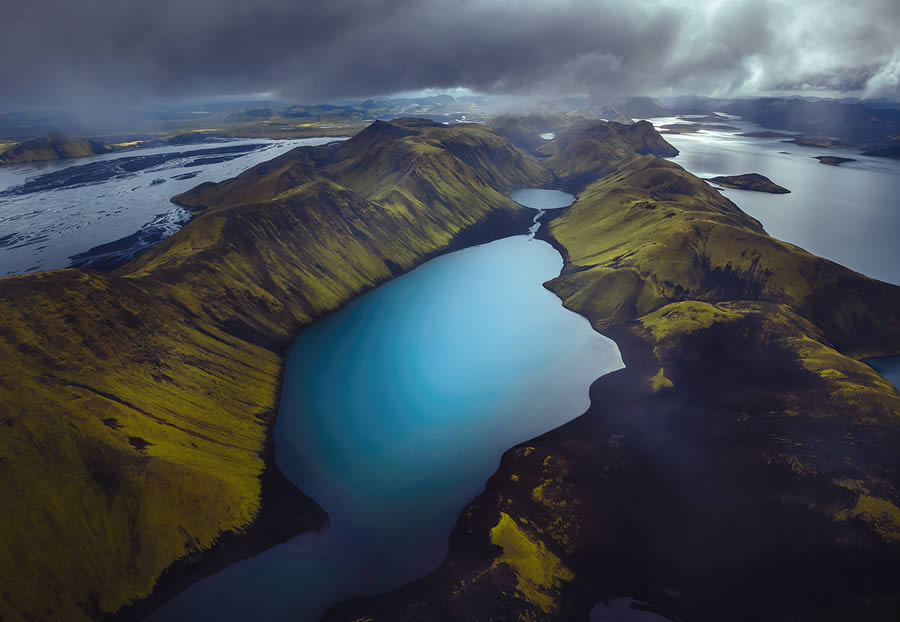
(134, 407)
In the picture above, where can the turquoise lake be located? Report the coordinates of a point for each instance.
(396, 410)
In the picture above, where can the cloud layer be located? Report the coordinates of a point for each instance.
(59, 51)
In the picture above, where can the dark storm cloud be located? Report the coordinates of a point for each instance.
(63, 51)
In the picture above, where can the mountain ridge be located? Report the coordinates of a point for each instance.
(154, 387)
(54, 146)
(718, 475)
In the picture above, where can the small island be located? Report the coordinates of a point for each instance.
(750, 181)
(823, 142)
(833, 160)
(767, 134)
(693, 128)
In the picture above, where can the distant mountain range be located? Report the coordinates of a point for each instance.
(874, 128)
(54, 146)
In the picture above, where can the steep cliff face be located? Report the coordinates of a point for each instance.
(137, 409)
(741, 467)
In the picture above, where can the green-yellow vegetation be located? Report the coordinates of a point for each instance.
(851, 484)
(127, 144)
(55, 146)
(539, 572)
(650, 234)
(686, 317)
(659, 381)
(654, 249)
(139, 403)
(590, 149)
(881, 514)
(138, 406)
(850, 381)
(563, 526)
(753, 339)
(132, 436)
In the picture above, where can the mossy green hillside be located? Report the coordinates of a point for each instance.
(590, 149)
(131, 438)
(651, 233)
(743, 465)
(136, 405)
(143, 399)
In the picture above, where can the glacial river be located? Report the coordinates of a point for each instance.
(396, 410)
(107, 208)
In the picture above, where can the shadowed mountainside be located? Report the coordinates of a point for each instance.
(525, 132)
(591, 150)
(137, 415)
(743, 465)
(517, 132)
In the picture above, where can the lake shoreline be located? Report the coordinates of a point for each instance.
(286, 512)
(623, 405)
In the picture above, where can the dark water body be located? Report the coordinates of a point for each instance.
(397, 409)
(888, 367)
(624, 610)
(848, 213)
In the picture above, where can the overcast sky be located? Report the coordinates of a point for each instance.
(61, 52)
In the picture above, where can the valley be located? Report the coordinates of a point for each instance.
(741, 368)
